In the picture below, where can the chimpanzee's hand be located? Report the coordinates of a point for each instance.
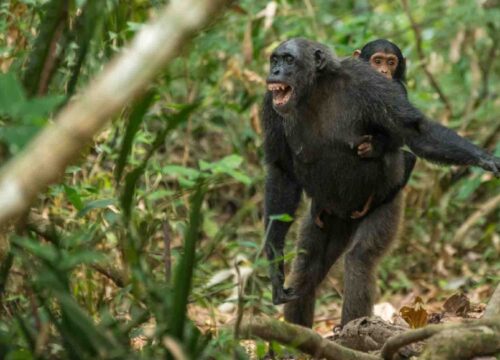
(365, 147)
(282, 295)
(492, 164)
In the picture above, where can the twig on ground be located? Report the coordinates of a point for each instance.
(396, 342)
(301, 338)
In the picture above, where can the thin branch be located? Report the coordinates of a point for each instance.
(472, 220)
(301, 338)
(167, 251)
(111, 273)
(53, 58)
(423, 61)
(409, 337)
(123, 80)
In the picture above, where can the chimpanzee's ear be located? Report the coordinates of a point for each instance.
(320, 59)
(356, 53)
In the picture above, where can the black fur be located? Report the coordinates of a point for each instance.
(307, 148)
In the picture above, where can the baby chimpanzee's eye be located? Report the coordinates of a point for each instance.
(289, 59)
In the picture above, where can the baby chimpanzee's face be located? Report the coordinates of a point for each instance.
(385, 63)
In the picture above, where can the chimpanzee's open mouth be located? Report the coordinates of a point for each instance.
(281, 93)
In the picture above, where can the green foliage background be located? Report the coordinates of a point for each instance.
(83, 275)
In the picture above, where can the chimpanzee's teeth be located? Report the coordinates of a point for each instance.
(277, 87)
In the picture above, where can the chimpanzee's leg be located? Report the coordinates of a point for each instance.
(317, 249)
(371, 240)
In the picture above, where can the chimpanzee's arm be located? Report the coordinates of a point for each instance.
(428, 139)
(282, 196)
(435, 142)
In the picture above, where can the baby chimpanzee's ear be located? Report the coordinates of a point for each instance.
(320, 59)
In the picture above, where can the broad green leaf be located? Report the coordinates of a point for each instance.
(12, 96)
(73, 197)
(17, 136)
(36, 110)
(243, 178)
(180, 170)
(96, 204)
(232, 161)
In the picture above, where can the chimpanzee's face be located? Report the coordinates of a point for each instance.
(385, 63)
(291, 70)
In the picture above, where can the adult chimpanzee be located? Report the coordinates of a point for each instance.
(314, 106)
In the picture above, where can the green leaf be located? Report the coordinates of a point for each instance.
(468, 187)
(12, 96)
(182, 116)
(232, 161)
(79, 258)
(36, 110)
(243, 178)
(41, 250)
(281, 217)
(96, 204)
(73, 197)
(133, 125)
(129, 190)
(184, 270)
(183, 171)
(17, 136)
(26, 330)
(79, 328)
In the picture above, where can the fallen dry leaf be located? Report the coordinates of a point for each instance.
(416, 315)
(457, 304)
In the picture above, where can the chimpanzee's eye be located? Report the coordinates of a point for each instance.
(274, 61)
(289, 59)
